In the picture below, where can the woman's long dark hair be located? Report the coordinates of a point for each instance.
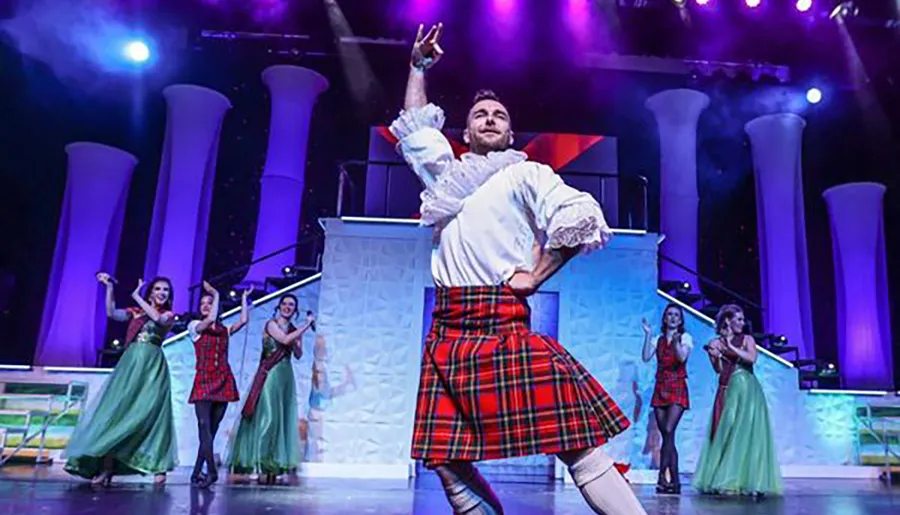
(663, 322)
(149, 291)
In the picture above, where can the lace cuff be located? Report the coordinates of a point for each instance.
(578, 224)
(413, 120)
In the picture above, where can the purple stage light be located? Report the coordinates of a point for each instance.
(504, 6)
(753, 4)
(803, 5)
(702, 2)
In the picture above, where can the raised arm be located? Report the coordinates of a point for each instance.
(156, 316)
(119, 315)
(425, 53)
(245, 312)
(649, 348)
(209, 319)
(283, 337)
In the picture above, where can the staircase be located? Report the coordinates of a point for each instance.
(37, 418)
(878, 437)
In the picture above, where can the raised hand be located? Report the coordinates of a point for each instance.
(209, 288)
(426, 51)
(247, 293)
(140, 285)
(104, 278)
(645, 325)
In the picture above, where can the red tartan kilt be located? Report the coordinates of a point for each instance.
(669, 391)
(492, 389)
(215, 386)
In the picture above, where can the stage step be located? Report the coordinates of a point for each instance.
(79, 389)
(878, 412)
(877, 460)
(28, 455)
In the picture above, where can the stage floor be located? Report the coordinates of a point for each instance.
(26, 490)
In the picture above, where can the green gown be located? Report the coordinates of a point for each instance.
(131, 418)
(269, 441)
(740, 457)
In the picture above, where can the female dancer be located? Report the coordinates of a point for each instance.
(319, 394)
(266, 440)
(130, 429)
(670, 396)
(739, 455)
(214, 385)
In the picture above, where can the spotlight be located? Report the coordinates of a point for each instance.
(753, 4)
(177, 318)
(814, 95)
(137, 51)
(233, 294)
(702, 2)
(844, 10)
(779, 341)
(116, 342)
(286, 271)
(803, 5)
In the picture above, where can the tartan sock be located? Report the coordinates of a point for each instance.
(467, 491)
(601, 485)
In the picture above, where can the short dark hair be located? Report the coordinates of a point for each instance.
(485, 94)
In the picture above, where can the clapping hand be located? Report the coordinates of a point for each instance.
(426, 51)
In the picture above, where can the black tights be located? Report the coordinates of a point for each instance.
(209, 416)
(667, 418)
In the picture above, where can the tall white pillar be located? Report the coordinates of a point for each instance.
(860, 279)
(73, 326)
(294, 91)
(677, 112)
(776, 143)
(177, 245)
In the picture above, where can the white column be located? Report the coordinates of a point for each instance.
(776, 143)
(677, 112)
(73, 326)
(294, 91)
(177, 245)
(860, 279)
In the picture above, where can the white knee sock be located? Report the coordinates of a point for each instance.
(468, 492)
(601, 485)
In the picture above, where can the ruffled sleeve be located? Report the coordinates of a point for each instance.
(569, 217)
(421, 142)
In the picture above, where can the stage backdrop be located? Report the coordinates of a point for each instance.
(587, 162)
(372, 304)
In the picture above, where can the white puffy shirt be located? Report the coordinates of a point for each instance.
(488, 211)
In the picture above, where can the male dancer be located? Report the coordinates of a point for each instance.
(489, 387)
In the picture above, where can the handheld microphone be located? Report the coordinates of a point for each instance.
(312, 325)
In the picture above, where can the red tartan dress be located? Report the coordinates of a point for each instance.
(213, 380)
(671, 377)
(730, 361)
(492, 389)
